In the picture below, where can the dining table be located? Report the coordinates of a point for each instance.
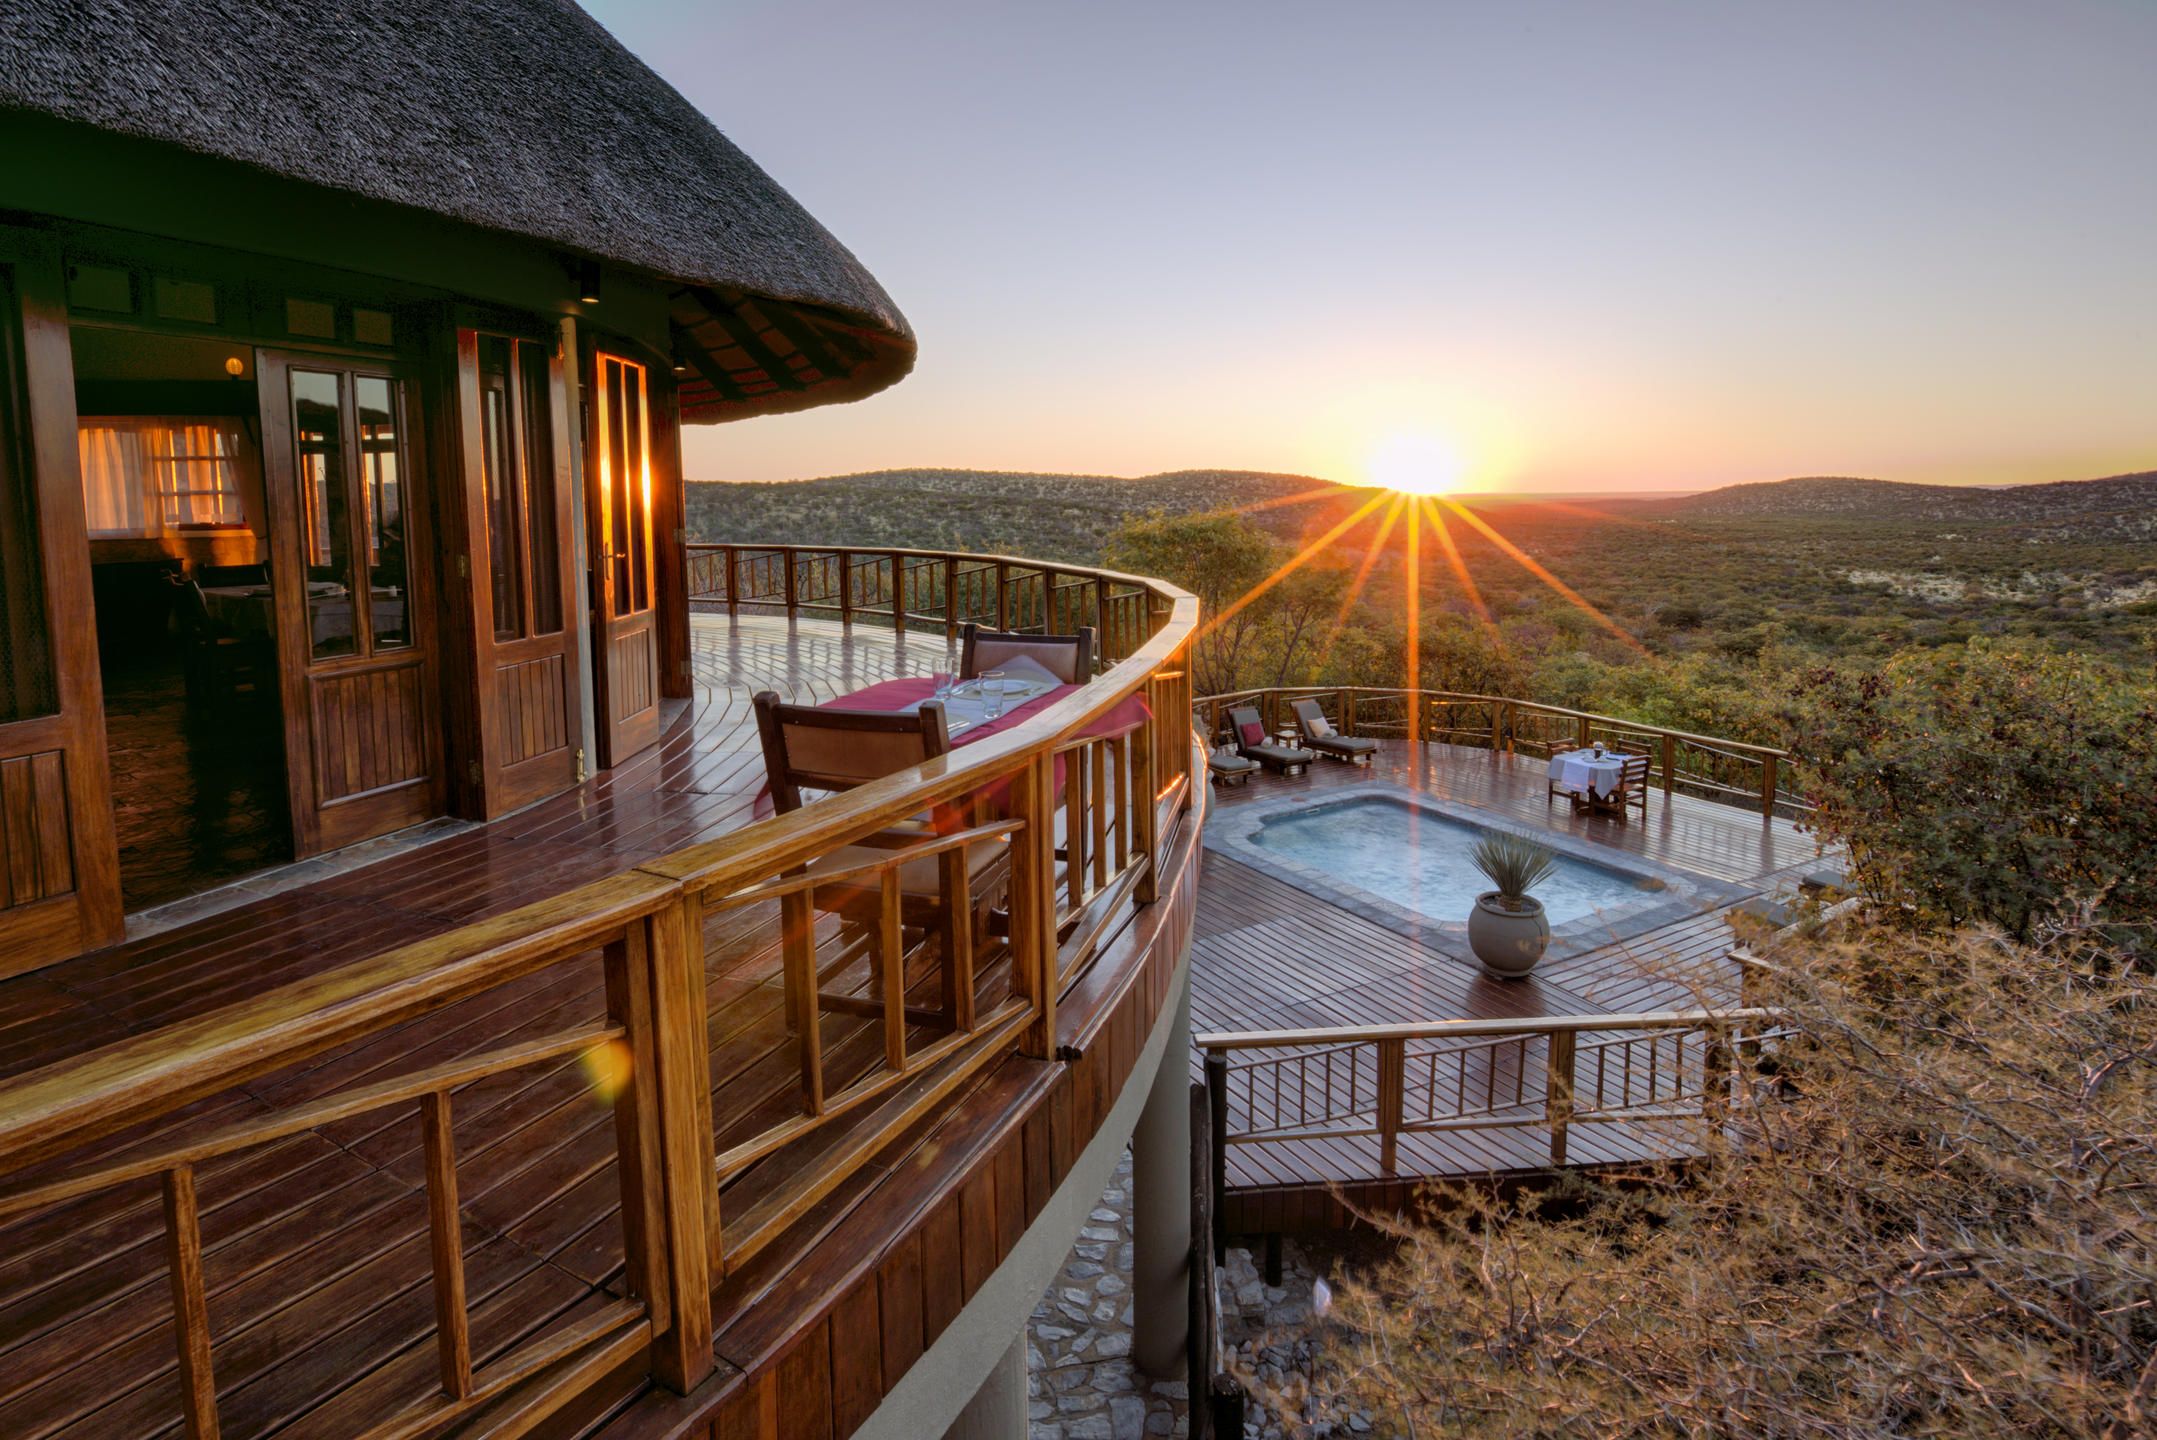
(1592, 772)
(972, 714)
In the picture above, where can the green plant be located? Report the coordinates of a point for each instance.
(1514, 864)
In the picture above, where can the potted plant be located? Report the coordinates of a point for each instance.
(1507, 930)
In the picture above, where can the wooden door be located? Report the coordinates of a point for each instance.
(350, 568)
(59, 865)
(516, 512)
(625, 628)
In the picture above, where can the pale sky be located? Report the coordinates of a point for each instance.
(1572, 246)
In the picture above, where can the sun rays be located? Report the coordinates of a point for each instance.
(1420, 510)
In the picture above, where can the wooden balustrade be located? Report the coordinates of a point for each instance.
(929, 590)
(1731, 771)
(1387, 1081)
(1073, 821)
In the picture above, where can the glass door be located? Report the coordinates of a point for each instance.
(516, 515)
(353, 602)
(625, 638)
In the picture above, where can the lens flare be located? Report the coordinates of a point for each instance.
(1416, 463)
(607, 1066)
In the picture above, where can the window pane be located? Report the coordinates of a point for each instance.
(26, 682)
(636, 436)
(498, 475)
(539, 496)
(629, 488)
(325, 521)
(381, 451)
(617, 489)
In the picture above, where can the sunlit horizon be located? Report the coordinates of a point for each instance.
(1595, 249)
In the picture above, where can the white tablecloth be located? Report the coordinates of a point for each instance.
(1581, 772)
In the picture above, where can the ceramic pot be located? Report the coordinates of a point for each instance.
(1508, 942)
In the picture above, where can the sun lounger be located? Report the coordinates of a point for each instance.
(1252, 744)
(1318, 734)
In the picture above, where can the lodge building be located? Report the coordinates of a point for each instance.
(413, 1019)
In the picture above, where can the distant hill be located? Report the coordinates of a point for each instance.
(1058, 517)
(2117, 506)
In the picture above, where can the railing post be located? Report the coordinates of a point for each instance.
(1558, 1092)
(846, 589)
(1505, 726)
(663, 1129)
(190, 1310)
(898, 592)
(1392, 1100)
(951, 599)
(1048, 603)
(1033, 901)
(1217, 1141)
(1146, 798)
(1581, 741)
(1767, 785)
(1348, 710)
(1715, 1077)
(1003, 596)
(793, 597)
(733, 585)
(1670, 766)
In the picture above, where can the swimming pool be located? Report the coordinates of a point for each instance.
(1403, 859)
(1417, 857)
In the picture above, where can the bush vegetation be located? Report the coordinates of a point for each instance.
(1941, 1223)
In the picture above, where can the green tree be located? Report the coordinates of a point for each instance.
(1989, 782)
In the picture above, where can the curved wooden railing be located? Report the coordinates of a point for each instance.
(1732, 771)
(1120, 796)
(925, 590)
(1549, 1071)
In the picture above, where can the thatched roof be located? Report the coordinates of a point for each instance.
(520, 116)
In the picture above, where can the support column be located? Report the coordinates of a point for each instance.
(998, 1409)
(1161, 1209)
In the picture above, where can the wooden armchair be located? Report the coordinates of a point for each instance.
(947, 895)
(1068, 657)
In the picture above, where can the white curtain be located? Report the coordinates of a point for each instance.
(115, 479)
(143, 473)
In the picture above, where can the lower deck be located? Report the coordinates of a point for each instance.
(1270, 954)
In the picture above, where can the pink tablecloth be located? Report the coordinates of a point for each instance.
(1126, 714)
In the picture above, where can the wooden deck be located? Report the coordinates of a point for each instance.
(1269, 955)
(316, 1247)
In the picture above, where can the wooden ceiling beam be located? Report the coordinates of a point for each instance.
(688, 347)
(752, 344)
(789, 322)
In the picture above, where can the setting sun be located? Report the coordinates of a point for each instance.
(1415, 463)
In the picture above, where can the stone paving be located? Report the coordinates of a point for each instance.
(1081, 1381)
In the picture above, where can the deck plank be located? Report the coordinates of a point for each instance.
(1269, 955)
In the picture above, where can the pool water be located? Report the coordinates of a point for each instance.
(1412, 856)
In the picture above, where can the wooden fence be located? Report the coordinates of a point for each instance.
(1548, 1072)
(1079, 822)
(1731, 771)
(926, 590)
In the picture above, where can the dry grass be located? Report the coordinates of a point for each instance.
(1940, 1224)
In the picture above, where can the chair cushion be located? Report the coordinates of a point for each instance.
(1027, 668)
(1315, 722)
(1252, 732)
